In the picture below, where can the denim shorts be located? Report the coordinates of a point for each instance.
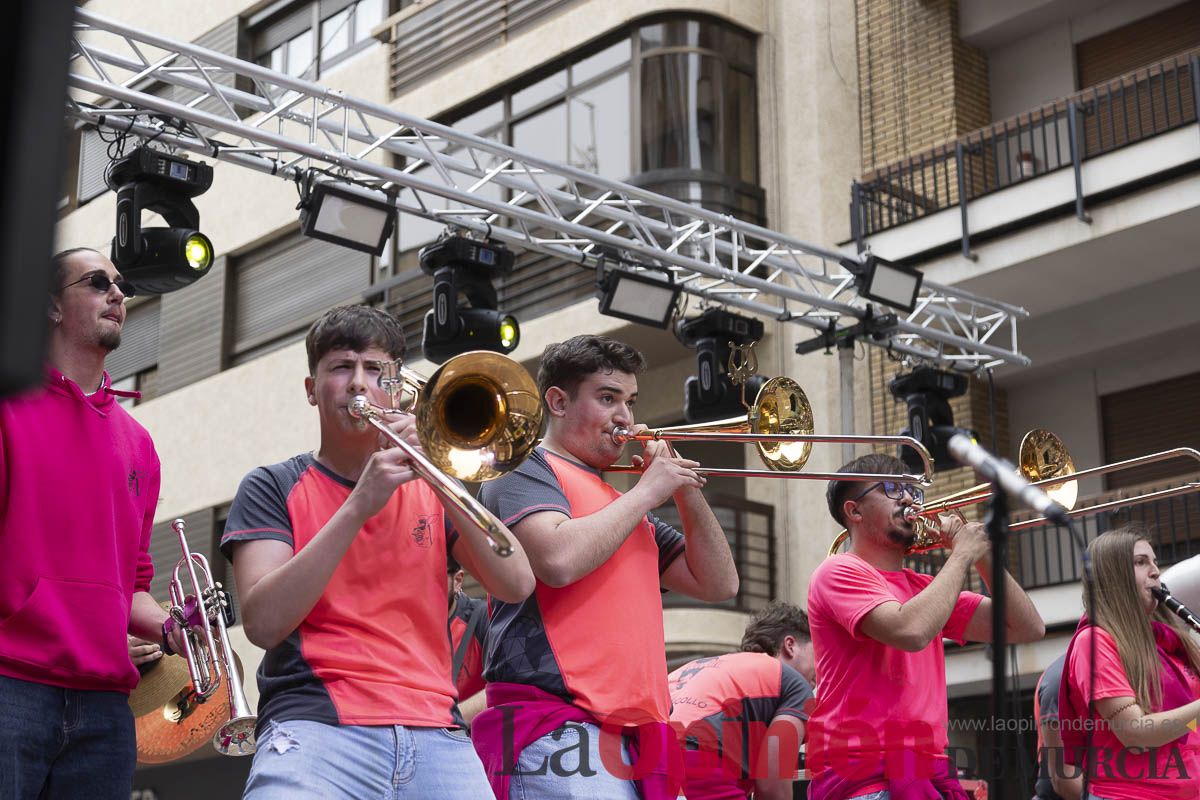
(303, 760)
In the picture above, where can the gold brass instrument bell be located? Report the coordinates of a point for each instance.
(478, 416)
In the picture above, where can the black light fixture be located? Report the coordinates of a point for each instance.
(160, 260)
(710, 394)
(927, 392)
(640, 297)
(347, 215)
(886, 281)
(465, 266)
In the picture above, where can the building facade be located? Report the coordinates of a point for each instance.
(1044, 154)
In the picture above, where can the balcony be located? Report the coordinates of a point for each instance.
(1047, 555)
(1059, 138)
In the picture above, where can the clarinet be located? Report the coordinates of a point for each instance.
(1167, 599)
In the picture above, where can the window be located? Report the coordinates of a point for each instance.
(279, 289)
(283, 35)
(687, 85)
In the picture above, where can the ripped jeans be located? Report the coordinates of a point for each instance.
(298, 760)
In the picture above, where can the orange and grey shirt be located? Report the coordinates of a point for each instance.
(374, 649)
(597, 643)
(738, 693)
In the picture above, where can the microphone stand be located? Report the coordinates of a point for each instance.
(997, 528)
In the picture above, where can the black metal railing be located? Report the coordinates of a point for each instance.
(1048, 555)
(1062, 134)
(750, 528)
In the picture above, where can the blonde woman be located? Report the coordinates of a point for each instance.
(1142, 682)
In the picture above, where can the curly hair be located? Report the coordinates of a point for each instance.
(771, 625)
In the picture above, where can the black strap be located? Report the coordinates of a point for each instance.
(460, 654)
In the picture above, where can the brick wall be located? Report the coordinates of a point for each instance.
(920, 84)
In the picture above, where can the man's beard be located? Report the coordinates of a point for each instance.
(902, 533)
(110, 340)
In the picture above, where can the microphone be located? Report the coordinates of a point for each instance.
(1164, 596)
(999, 471)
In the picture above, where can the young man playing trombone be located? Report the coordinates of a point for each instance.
(79, 484)
(588, 646)
(340, 558)
(880, 721)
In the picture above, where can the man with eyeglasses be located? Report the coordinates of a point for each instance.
(79, 483)
(879, 729)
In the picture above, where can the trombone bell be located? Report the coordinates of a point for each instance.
(782, 407)
(1044, 456)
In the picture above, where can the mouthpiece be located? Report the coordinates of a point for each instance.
(620, 435)
(358, 406)
(1160, 592)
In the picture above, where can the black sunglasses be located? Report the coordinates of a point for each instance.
(101, 283)
(895, 490)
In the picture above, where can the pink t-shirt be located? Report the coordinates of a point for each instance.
(1130, 774)
(874, 700)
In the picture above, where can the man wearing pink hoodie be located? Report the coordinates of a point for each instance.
(79, 482)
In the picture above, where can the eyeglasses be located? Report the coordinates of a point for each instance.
(101, 283)
(895, 490)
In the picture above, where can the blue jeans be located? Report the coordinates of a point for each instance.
(299, 760)
(64, 743)
(882, 794)
(556, 766)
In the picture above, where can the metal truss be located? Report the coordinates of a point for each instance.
(234, 111)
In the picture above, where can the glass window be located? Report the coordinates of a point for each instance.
(335, 34)
(544, 134)
(482, 120)
(367, 15)
(299, 61)
(600, 131)
(607, 59)
(539, 92)
(680, 113)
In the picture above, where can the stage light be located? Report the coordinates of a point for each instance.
(710, 394)
(637, 296)
(160, 260)
(198, 251)
(927, 392)
(347, 215)
(463, 266)
(886, 281)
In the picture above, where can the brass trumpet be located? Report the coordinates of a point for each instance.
(780, 423)
(210, 660)
(478, 417)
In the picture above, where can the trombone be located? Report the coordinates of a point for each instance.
(1045, 462)
(780, 423)
(208, 607)
(478, 417)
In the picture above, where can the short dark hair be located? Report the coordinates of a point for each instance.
(60, 260)
(567, 364)
(771, 625)
(356, 328)
(836, 491)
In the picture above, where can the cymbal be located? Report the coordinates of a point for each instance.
(162, 680)
(181, 726)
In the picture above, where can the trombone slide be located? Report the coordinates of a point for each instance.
(447, 489)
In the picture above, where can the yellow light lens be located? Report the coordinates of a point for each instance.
(198, 252)
(509, 333)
